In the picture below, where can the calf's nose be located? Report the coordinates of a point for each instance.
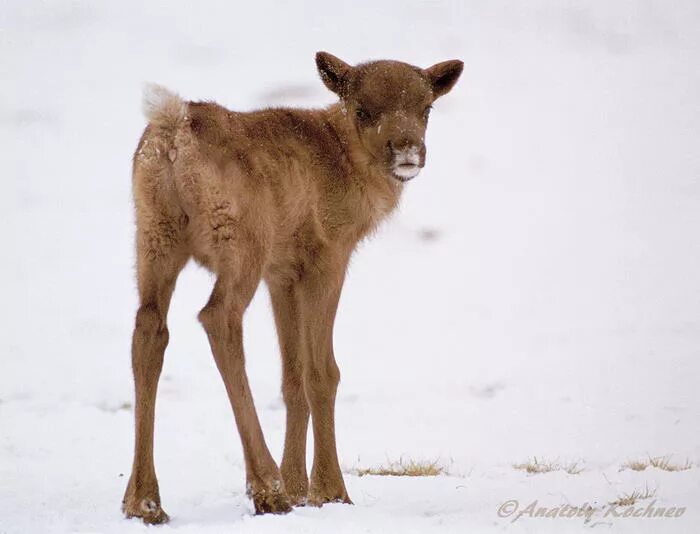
(409, 154)
(404, 144)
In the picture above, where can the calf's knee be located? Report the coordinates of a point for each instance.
(321, 378)
(150, 336)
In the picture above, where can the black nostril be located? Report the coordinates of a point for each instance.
(403, 144)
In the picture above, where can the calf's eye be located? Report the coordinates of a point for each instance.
(361, 114)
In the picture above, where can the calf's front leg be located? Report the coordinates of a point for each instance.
(286, 309)
(319, 294)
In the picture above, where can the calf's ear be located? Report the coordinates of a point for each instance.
(334, 72)
(443, 76)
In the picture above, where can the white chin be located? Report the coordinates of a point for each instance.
(405, 172)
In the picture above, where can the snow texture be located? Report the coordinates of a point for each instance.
(537, 295)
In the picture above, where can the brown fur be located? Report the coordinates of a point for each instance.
(280, 195)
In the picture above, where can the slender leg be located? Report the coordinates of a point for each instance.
(222, 319)
(157, 276)
(319, 295)
(293, 468)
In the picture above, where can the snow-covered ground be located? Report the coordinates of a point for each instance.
(538, 295)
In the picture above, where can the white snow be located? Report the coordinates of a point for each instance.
(538, 295)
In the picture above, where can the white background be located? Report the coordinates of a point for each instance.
(554, 310)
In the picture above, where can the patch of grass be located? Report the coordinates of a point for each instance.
(659, 462)
(664, 462)
(634, 465)
(404, 468)
(628, 499)
(536, 466)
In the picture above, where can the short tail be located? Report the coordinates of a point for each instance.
(162, 107)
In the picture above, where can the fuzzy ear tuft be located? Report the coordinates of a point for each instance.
(443, 76)
(334, 72)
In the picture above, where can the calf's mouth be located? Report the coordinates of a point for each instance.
(406, 164)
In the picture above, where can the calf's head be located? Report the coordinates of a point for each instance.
(388, 103)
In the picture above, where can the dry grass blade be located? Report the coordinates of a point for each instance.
(659, 462)
(628, 499)
(664, 462)
(634, 465)
(536, 466)
(404, 468)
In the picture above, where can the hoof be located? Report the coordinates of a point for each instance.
(269, 499)
(319, 498)
(297, 490)
(297, 500)
(149, 511)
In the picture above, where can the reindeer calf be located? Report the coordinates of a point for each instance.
(284, 196)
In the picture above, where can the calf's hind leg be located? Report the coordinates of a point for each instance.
(222, 319)
(157, 273)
